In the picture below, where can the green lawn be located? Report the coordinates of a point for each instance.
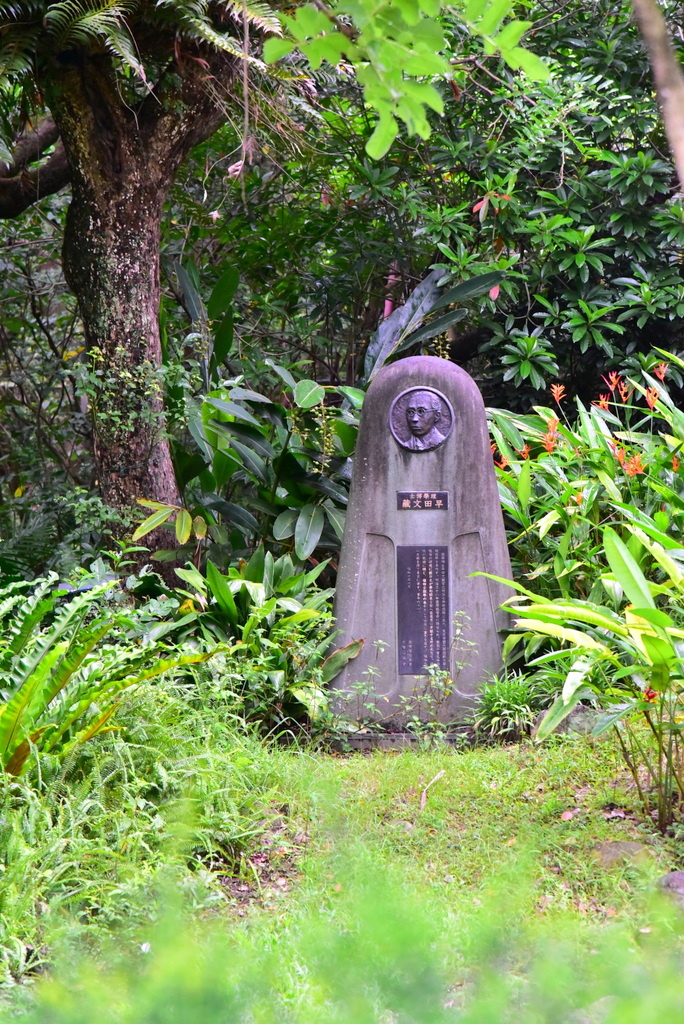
(428, 885)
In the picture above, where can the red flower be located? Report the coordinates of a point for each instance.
(651, 397)
(650, 694)
(550, 438)
(602, 401)
(634, 465)
(661, 370)
(625, 392)
(612, 380)
(675, 463)
(558, 392)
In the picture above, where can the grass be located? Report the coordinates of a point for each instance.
(193, 874)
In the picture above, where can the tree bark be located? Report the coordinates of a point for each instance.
(122, 161)
(668, 76)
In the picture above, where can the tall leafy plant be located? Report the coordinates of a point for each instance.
(61, 682)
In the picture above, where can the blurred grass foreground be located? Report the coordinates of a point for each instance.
(432, 886)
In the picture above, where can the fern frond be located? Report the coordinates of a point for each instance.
(75, 23)
(21, 11)
(199, 29)
(122, 44)
(258, 13)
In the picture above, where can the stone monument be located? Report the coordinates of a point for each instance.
(424, 514)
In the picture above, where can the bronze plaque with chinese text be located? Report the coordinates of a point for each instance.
(423, 618)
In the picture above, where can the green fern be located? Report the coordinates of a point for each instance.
(54, 673)
(73, 23)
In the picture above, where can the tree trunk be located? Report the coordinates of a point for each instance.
(122, 162)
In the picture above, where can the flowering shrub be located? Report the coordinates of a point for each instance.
(561, 482)
(598, 512)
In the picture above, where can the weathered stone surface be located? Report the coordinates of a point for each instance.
(424, 514)
(619, 851)
(673, 885)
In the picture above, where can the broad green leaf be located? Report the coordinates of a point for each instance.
(223, 337)
(284, 526)
(304, 615)
(524, 485)
(559, 710)
(191, 298)
(335, 662)
(275, 48)
(148, 503)
(250, 460)
(199, 526)
(569, 636)
(626, 571)
(308, 530)
(284, 374)
(336, 519)
(151, 523)
(222, 293)
(308, 393)
(312, 698)
(218, 585)
(355, 395)
(511, 34)
(469, 289)
(385, 133)
(578, 611)
(546, 522)
(232, 409)
(183, 526)
(575, 678)
(533, 66)
(491, 17)
(431, 330)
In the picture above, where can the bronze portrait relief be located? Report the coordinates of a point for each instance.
(421, 419)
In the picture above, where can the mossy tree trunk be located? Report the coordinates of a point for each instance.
(122, 161)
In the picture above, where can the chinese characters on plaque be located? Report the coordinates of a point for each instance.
(422, 500)
(423, 608)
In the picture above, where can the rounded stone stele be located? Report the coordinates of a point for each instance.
(416, 430)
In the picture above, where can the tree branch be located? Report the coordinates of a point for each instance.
(21, 187)
(30, 145)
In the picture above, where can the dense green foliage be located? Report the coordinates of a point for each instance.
(532, 232)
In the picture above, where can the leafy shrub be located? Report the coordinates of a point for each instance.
(60, 681)
(507, 707)
(616, 537)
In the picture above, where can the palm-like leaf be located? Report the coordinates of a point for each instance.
(52, 675)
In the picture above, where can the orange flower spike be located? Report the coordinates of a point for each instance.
(634, 466)
(651, 397)
(492, 447)
(660, 370)
(602, 401)
(675, 463)
(558, 392)
(502, 462)
(625, 392)
(553, 425)
(612, 380)
(578, 498)
(524, 452)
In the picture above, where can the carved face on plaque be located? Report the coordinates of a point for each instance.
(421, 419)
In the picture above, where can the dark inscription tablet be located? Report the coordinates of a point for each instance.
(423, 608)
(422, 500)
